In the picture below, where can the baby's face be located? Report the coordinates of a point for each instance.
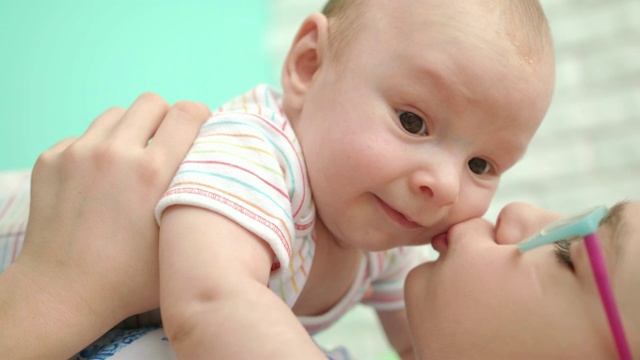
(410, 131)
(483, 299)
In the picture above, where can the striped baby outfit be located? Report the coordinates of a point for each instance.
(247, 165)
(14, 212)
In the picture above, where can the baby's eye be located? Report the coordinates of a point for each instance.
(412, 123)
(479, 166)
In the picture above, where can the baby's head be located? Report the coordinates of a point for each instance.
(523, 22)
(409, 111)
(484, 299)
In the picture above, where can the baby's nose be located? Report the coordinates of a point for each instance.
(518, 221)
(442, 188)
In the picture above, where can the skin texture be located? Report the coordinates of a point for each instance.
(369, 174)
(456, 313)
(379, 179)
(91, 226)
(376, 184)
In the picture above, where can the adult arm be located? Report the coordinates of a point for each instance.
(91, 227)
(214, 297)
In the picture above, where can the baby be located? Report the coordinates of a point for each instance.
(395, 122)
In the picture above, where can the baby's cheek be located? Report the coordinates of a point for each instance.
(472, 203)
(476, 205)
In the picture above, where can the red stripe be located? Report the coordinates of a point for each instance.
(7, 205)
(304, 175)
(239, 168)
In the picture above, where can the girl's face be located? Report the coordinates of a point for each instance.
(482, 298)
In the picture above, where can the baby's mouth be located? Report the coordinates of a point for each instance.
(397, 216)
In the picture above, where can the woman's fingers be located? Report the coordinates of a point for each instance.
(97, 132)
(93, 200)
(138, 125)
(101, 128)
(59, 147)
(119, 141)
(175, 135)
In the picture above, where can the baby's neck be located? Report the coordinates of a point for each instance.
(332, 273)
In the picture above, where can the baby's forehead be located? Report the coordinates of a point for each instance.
(520, 22)
(525, 25)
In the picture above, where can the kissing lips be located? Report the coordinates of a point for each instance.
(397, 216)
(440, 243)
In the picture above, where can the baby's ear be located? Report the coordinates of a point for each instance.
(304, 59)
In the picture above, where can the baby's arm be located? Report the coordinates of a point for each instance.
(396, 327)
(213, 292)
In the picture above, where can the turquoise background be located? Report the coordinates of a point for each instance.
(62, 63)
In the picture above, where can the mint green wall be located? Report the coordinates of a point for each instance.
(64, 62)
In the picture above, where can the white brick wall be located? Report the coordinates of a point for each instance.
(587, 151)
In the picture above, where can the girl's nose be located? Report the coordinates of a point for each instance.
(518, 221)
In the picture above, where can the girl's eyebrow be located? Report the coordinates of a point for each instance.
(614, 221)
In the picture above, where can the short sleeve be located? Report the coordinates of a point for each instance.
(240, 166)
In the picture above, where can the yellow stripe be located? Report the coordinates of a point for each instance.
(229, 135)
(264, 167)
(256, 149)
(244, 103)
(304, 271)
(293, 279)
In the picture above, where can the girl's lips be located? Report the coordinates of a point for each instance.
(440, 243)
(398, 217)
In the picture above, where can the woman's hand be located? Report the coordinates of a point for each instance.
(90, 256)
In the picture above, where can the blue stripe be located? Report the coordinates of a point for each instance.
(266, 137)
(247, 185)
